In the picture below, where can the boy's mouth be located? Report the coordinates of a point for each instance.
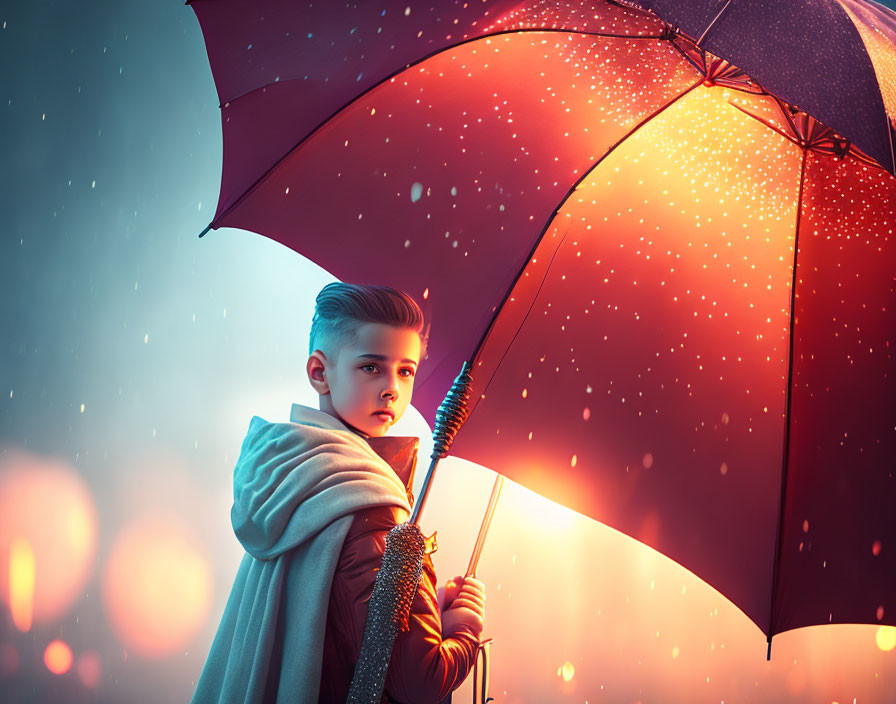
(385, 416)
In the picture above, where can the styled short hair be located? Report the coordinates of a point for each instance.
(341, 307)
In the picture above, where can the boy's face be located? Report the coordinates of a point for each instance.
(375, 373)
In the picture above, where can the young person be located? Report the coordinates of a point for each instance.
(313, 502)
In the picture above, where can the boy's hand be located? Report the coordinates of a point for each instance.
(448, 592)
(467, 609)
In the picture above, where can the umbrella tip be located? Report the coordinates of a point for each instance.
(207, 228)
(768, 655)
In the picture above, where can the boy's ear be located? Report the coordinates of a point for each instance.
(317, 372)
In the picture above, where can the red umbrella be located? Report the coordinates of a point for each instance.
(674, 286)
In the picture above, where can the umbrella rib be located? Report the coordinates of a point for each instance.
(890, 130)
(538, 240)
(700, 40)
(780, 530)
(260, 179)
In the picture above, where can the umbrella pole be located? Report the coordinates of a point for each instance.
(486, 522)
(450, 417)
(398, 578)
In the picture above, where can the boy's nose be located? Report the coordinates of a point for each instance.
(391, 389)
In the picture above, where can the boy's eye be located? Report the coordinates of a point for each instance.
(409, 370)
(369, 366)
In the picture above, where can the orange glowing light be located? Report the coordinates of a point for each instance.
(157, 586)
(21, 583)
(58, 657)
(566, 671)
(48, 535)
(886, 637)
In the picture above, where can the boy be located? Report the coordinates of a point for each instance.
(313, 502)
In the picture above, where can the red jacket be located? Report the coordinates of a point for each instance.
(424, 668)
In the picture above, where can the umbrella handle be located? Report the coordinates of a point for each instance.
(480, 689)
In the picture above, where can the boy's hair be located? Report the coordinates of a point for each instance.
(341, 307)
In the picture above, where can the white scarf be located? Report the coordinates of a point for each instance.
(296, 487)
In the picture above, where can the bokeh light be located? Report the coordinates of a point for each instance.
(886, 637)
(157, 585)
(9, 660)
(89, 669)
(21, 583)
(58, 657)
(48, 536)
(567, 671)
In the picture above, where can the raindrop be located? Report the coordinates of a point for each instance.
(586, 413)
(416, 192)
(647, 460)
(875, 548)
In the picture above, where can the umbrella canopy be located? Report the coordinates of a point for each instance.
(675, 287)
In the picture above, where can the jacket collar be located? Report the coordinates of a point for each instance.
(399, 451)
